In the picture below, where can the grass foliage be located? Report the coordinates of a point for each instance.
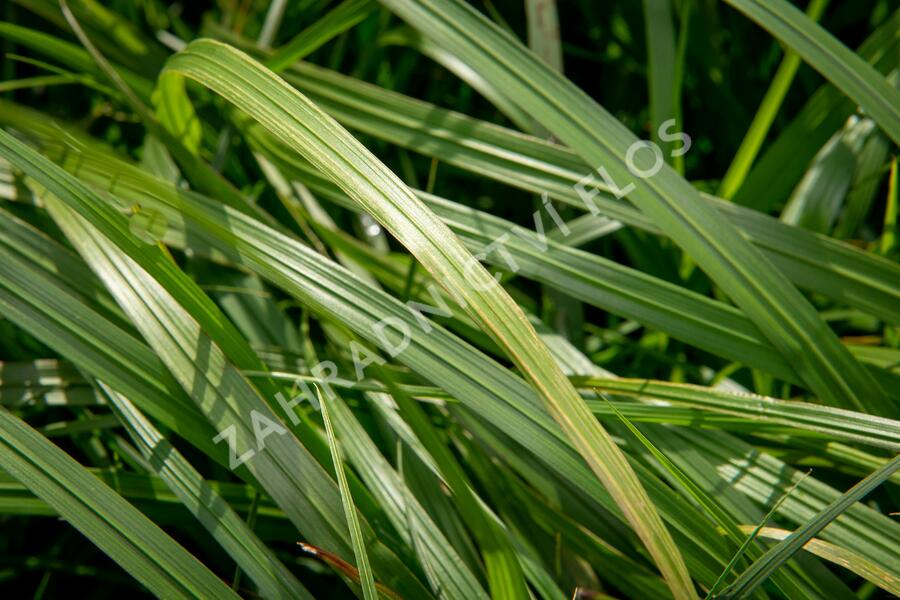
(448, 299)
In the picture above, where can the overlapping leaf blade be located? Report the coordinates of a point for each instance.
(225, 397)
(765, 295)
(272, 578)
(832, 59)
(309, 131)
(118, 528)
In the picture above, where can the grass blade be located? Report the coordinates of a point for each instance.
(854, 76)
(272, 578)
(438, 556)
(341, 18)
(765, 295)
(889, 232)
(356, 537)
(660, 34)
(765, 114)
(302, 126)
(115, 526)
(747, 543)
(200, 369)
(848, 559)
(859, 427)
(760, 570)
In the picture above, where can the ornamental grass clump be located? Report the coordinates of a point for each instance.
(429, 299)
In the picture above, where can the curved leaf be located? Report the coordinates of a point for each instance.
(302, 126)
